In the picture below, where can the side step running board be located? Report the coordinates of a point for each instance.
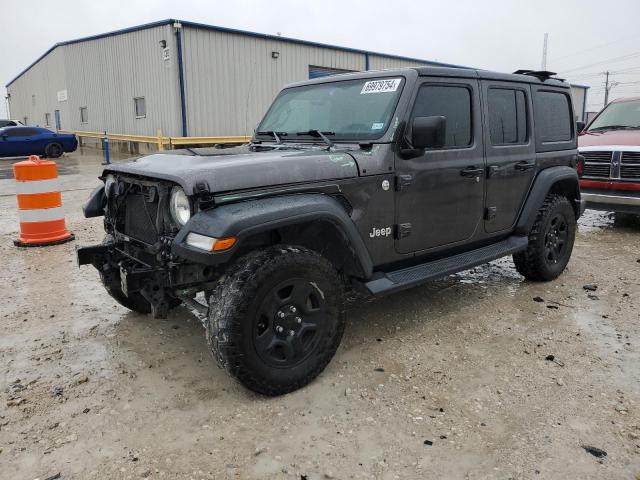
(408, 277)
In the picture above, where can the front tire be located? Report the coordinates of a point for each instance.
(275, 319)
(53, 150)
(550, 241)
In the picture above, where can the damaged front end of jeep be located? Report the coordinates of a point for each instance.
(142, 218)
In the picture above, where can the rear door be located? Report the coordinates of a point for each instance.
(440, 197)
(510, 151)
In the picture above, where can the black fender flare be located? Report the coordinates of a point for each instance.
(248, 218)
(543, 184)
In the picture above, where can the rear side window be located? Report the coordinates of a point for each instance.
(507, 116)
(451, 102)
(553, 117)
(21, 132)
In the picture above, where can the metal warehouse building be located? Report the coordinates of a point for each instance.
(184, 78)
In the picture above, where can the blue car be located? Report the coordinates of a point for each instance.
(23, 141)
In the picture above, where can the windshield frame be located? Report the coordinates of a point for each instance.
(330, 80)
(590, 127)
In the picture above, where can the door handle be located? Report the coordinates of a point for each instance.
(525, 166)
(471, 172)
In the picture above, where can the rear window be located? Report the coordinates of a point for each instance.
(553, 117)
(20, 132)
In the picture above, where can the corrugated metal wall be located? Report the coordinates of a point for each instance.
(378, 62)
(35, 93)
(231, 79)
(104, 75)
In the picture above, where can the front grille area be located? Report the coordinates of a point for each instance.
(630, 166)
(140, 218)
(596, 164)
(596, 170)
(599, 157)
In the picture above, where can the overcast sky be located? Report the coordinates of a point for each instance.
(586, 37)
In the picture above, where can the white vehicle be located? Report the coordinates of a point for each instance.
(10, 123)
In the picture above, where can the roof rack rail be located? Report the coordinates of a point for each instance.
(541, 75)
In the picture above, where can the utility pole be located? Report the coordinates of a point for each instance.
(544, 52)
(606, 88)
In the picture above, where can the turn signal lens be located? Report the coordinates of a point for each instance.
(210, 244)
(224, 244)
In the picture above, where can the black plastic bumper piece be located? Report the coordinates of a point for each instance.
(94, 206)
(408, 277)
(92, 255)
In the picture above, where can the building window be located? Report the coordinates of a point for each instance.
(451, 102)
(140, 107)
(47, 119)
(84, 115)
(507, 116)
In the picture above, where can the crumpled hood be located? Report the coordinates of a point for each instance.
(239, 168)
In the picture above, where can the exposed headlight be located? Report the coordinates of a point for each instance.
(179, 206)
(109, 183)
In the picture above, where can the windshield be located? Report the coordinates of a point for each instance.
(345, 110)
(620, 115)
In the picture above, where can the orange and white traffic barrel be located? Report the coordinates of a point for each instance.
(39, 203)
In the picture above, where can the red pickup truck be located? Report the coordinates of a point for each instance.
(610, 169)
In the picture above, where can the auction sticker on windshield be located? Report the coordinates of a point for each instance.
(381, 86)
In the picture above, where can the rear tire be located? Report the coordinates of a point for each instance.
(53, 150)
(550, 241)
(275, 318)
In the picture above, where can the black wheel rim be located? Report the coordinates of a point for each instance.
(289, 323)
(555, 239)
(55, 150)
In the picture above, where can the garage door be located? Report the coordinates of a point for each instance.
(317, 72)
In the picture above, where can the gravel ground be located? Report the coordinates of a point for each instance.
(481, 375)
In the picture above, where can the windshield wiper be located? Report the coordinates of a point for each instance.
(614, 127)
(275, 135)
(319, 134)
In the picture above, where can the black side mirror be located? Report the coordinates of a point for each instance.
(428, 132)
(580, 126)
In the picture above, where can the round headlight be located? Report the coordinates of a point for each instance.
(109, 183)
(179, 206)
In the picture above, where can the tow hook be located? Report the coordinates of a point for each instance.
(155, 295)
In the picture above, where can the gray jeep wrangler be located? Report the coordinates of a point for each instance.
(372, 182)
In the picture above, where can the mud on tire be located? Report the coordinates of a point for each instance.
(550, 241)
(275, 318)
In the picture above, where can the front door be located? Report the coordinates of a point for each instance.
(510, 149)
(441, 192)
